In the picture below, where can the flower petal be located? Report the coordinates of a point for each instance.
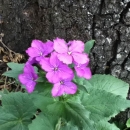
(79, 72)
(65, 58)
(87, 73)
(32, 60)
(60, 45)
(33, 52)
(53, 77)
(37, 44)
(57, 90)
(28, 68)
(65, 72)
(23, 78)
(54, 61)
(76, 46)
(48, 47)
(39, 49)
(39, 58)
(69, 87)
(30, 86)
(80, 58)
(45, 64)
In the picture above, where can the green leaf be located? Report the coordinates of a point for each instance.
(103, 104)
(80, 81)
(41, 100)
(128, 123)
(16, 70)
(109, 84)
(12, 74)
(16, 111)
(44, 122)
(78, 114)
(40, 79)
(44, 87)
(89, 45)
(104, 125)
(69, 126)
(105, 98)
(72, 111)
(15, 66)
(57, 108)
(42, 97)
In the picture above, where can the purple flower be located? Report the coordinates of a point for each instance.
(39, 49)
(55, 69)
(32, 60)
(73, 51)
(63, 87)
(83, 71)
(28, 78)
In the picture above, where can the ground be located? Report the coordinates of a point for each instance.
(105, 21)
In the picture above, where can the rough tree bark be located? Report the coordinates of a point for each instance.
(106, 21)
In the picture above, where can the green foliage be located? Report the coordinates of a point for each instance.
(69, 126)
(96, 101)
(41, 97)
(105, 97)
(109, 84)
(78, 114)
(16, 69)
(88, 46)
(69, 109)
(128, 123)
(103, 104)
(72, 111)
(16, 111)
(104, 125)
(44, 122)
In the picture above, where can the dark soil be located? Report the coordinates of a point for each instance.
(106, 21)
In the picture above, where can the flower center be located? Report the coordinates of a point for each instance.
(56, 68)
(69, 52)
(40, 53)
(61, 82)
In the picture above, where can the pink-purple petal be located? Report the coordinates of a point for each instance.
(49, 47)
(28, 68)
(65, 58)
(54, 60)
(53, 76)
(23, 78)
(30, 86)
(57, 90)
(87, 73)
(60, 45)
(37, 44)
(79, 72)
(76, 46)
(70, 88)
(33, 52)
(32, 60)
(45, 64)
(67, 87)
(65, 72)
(80, 58)
(28, 77)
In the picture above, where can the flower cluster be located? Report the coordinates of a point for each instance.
(54, 58)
